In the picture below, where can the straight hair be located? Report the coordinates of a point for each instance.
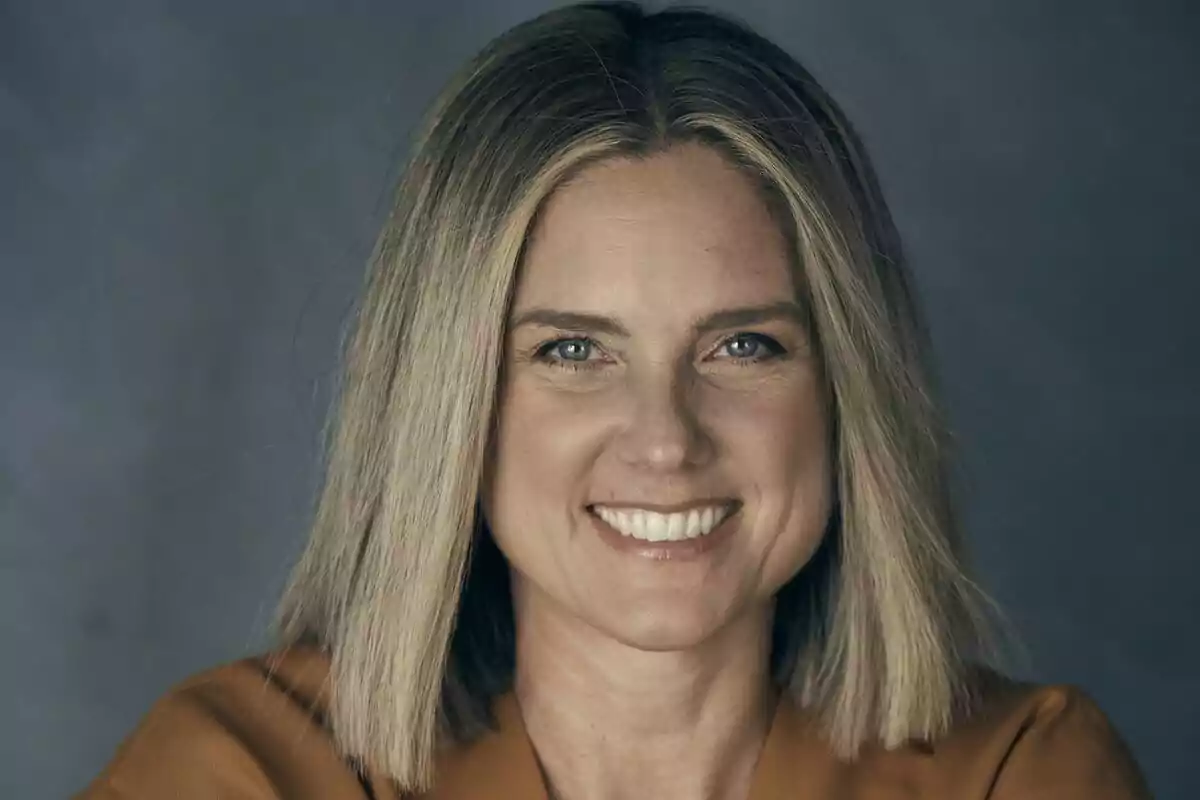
(400, 581)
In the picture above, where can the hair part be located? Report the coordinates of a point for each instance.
(400, 580)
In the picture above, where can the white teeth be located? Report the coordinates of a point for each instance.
(651, 526)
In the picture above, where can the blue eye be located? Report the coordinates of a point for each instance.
(573, 349)
(575, 352)
(569, 353)
(749, 347)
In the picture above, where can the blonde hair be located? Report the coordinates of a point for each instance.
(400, 581)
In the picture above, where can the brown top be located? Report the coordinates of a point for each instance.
(253, 730)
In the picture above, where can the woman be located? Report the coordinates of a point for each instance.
(636, 487)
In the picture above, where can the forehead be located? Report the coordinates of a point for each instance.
(685, 223)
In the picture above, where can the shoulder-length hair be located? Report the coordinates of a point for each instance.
(400, 581)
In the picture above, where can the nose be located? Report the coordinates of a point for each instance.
(663, 432)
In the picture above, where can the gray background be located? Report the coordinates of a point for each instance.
(188, 192)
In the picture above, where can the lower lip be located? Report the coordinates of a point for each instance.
(680, 550)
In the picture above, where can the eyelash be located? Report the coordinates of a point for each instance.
(542, 353)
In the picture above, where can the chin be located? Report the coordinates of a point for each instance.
(661, 630)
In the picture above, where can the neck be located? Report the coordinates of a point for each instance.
(610, 721)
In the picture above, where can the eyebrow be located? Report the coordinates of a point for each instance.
(786, 310)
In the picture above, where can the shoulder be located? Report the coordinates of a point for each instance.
(1031, 741)
(251, 729)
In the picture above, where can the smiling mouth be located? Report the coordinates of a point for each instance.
(653, 526)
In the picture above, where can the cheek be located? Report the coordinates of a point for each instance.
(779, 435)
(540, 455)
(779, 447)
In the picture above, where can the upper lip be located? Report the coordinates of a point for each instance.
(669, 508)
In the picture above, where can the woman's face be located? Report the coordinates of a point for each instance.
(660, 466)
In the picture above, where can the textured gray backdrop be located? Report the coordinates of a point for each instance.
(188, 192)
